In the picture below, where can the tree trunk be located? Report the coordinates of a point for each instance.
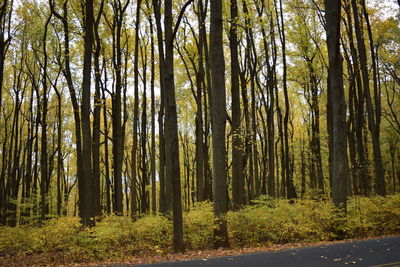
(118, 138)
(337, 107)
(374, 119)
(44, 173)
(85, 182)
(218, 115)
(4, 43)
(237, 170)
(97, 115)
(135, 113)
(163, 197)
(145, 182)
(153, 125)
(200, 84)
(68, 76)
(59, 149)
(171, 131)
(106, 156)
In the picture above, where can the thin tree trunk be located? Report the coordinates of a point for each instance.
(153, 125)
(5, 8)
(135, 113)
(163, 198)
(97, 115)
(106, 155)
(374, 119)
(59, 149)
(44, 173)
(145, 181)
(237, 170)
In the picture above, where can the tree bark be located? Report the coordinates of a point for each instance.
(218, 115)
(171, 131)
(374, 119)
(135, 113)
(97, 115)
(237, 175)
(337, 107)
(118, 138)
(153, 125)
(85, 182)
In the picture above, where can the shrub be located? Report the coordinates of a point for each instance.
(265, 222)
(199, 226)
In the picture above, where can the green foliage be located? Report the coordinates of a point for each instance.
(54, 235)
(116, 237)
(264, 223)
(302, 221)
(199, 226)
(373, 216)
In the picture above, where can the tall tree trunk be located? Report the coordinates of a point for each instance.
(106, 155)
(290, 190)
(74, 100)
(200, 84)
(135, 112)
(59, 148)
(237, 175)
(171, 131)
(269, 109)
(85, 182)
(218, 115)
(97, 115)
(336, 106)
(118, 138)
(145, 181)
(358, 96)
(208, 192)
(153, 125)
(374, 112)
(29, 157)
(163, 198)
(44, 173)
(5, 9)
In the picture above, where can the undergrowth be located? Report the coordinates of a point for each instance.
(264, 223)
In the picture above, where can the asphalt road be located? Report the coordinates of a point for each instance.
(377, 252)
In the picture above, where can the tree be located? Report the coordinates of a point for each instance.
(97, 113)
(153, 121)
(237, 170)
(118, 136)
(172, 168)
(5, 37)
(85, 182)
(135, 112)
(171, 130)
(290, 190)
(336, 107)
(218, 122)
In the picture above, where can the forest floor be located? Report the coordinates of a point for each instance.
(62, 259)
(267, 226)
